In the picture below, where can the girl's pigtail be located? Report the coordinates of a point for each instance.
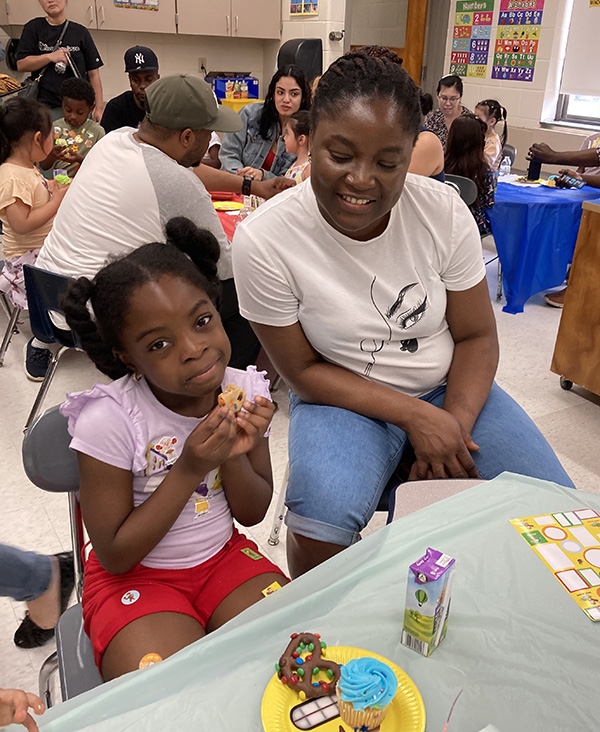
(75, 306)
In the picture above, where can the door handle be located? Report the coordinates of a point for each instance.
(101, 15)
(90, 14)
(227, 23)
(236, 23)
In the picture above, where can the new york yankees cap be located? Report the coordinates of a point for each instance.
(182, 101)
(140, 58)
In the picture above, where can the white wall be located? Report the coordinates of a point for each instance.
(527, 102)
(378, 22)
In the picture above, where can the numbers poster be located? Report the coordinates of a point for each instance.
(472, 38)
(517, 39)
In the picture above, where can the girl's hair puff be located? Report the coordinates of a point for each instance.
(270, 116)
(300, 123)
(190, 253)
(498, 112)
(20, 117)
(357, 75)
(464, 150)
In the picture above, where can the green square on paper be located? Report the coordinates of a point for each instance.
(534, 537)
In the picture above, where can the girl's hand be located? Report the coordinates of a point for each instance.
(14, 704)
(210, 443)
(441, 447)
(256, 173)
(252, 425)
(59, 189)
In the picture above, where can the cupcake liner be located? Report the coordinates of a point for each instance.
(367, 717)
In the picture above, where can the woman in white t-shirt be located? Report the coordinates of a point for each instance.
(367, 289)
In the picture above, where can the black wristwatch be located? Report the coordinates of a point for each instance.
(247, 185)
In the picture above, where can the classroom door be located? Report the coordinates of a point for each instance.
(398, 25)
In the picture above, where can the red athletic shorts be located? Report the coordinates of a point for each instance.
(112, 601)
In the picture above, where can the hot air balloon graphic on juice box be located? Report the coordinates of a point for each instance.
(428, 593)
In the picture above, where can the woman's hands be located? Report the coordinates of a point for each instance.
(256, 173)
(441, 446)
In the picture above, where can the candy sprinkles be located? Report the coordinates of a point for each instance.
(304, 667)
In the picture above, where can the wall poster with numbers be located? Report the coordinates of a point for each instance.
(517, 39)
(471, 41)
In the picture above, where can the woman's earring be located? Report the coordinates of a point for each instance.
(309, 158)
(137, 376)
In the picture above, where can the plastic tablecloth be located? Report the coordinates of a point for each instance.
(535, 230)
(525, 656)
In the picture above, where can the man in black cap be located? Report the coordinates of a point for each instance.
(127, 110)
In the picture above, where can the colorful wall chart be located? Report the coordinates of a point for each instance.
(569, 545)
(138, 4)
(304, 7)
(517, 39)
(472, 34)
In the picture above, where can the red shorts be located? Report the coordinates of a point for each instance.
(112, 601)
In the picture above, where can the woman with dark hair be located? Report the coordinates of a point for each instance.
(449, 93)
(258, 149)
(465, 156)
(366, 287)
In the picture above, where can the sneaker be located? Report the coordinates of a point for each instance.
(36, 361)
(556, 299)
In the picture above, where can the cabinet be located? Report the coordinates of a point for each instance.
(99, 14)
(577, 351)
(233, 18)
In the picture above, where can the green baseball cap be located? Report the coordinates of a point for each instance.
(182, 101)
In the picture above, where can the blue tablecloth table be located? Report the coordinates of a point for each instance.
(535, 230)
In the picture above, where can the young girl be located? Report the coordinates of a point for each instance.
(296, 134)
(491, 112)
(28, 202)
(163, 467)
(465, 156)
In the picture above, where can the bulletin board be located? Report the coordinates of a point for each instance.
(471, 38)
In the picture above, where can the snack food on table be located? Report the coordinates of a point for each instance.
(303, 662)
(233, 397)
(364, 691)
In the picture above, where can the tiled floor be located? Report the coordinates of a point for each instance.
(34, 520)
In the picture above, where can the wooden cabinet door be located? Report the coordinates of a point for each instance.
(112, 17)
(22, 11)
(204, 17)
(83, 12)
(256, 19)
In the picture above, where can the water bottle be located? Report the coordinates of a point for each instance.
(505, 166)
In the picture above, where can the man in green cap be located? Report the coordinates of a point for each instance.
(132, 182)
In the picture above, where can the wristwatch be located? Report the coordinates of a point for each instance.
(247, 185)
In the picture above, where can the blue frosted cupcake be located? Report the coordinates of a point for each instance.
(364, 691)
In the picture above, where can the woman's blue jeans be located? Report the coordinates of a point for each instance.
(23, 575)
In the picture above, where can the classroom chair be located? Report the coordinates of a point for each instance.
(12, 313)
(465, 187)
(51, 465)
(44, 290)
(509, 151)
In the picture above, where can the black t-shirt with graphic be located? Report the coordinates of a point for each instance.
(122, 111)
(40, 37)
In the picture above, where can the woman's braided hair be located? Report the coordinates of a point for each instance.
(190, 254)
(358, 75)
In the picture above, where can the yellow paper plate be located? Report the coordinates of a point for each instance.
(406, 712)
(228, 205)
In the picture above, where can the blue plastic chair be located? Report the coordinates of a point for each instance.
(44, 290)
(51, 465)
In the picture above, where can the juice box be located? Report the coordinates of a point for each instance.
(428, 593)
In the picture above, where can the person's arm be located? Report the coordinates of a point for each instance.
(221, 180)
(14, 708)
(33, 63)
(427, 155)
(232, 143)
(589, 180)
(121, 534)
(247, 476)
(96, 82)
(435, 434)
(23, 219)
(211, 159)
(545, 154)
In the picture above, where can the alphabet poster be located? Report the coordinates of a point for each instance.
(137, 4)
(517, 39)
(471, 41)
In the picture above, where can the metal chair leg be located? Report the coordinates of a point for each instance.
(280, 510)
(10, 331)
(41, 395)
(499, 291)
(47, 670)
